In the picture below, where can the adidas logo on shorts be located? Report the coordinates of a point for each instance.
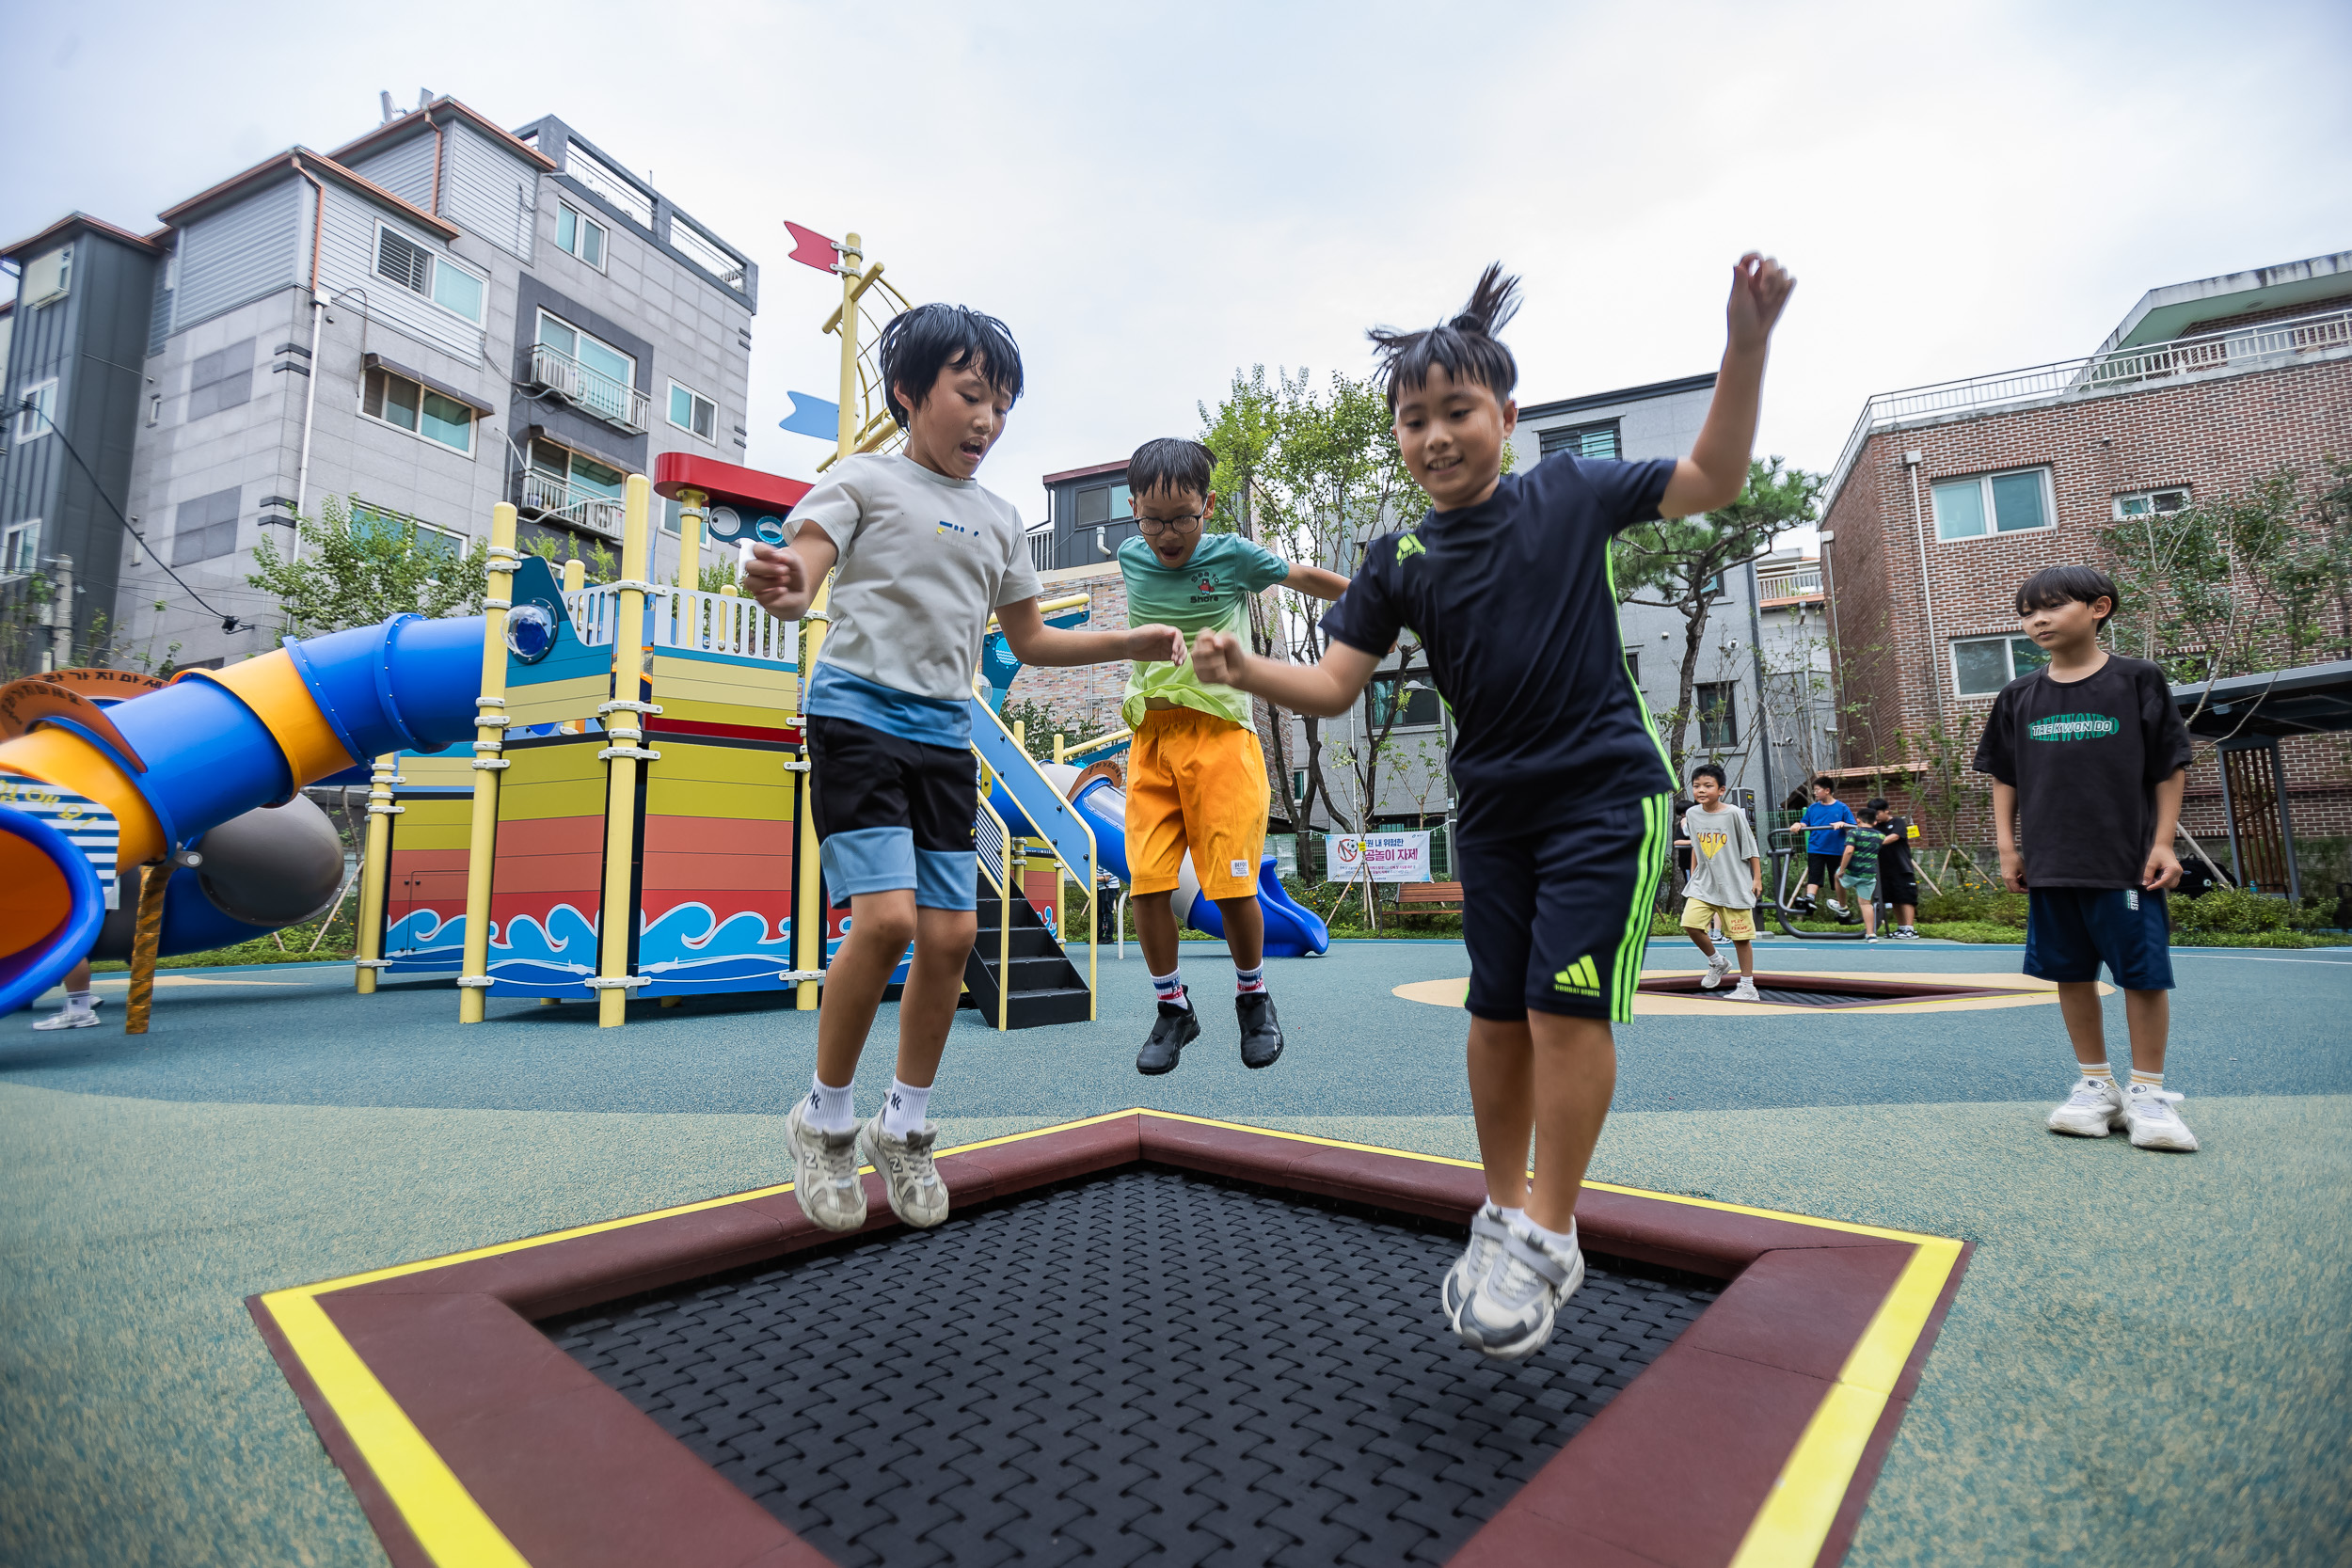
(1579, 977)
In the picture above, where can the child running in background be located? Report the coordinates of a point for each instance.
(1562, 789)
(925, 554)
(1727, 879)
(1196, 776)
(2090, 758)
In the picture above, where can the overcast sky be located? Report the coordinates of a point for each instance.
(1154, 195)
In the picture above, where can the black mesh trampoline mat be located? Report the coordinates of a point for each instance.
(1147, 1367)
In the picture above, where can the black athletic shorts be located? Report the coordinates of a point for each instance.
(1820, 870)
(1557, 920)
(1896, 886)
(893, 814)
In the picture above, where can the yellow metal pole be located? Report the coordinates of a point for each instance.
(575, 576)
(808, 915)
(473, 976)
(690, 543)
(624, 727)
(375, 869)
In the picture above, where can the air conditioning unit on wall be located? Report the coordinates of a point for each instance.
(48, 277)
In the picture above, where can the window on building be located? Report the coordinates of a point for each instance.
(2150, 503)
(35, 405)
(1719, 713)
(417, 409)
(607, 377)
(581, 234)
(1993, 503)
(205, 528)
(1585, 440)
(1410, 698)
(428, 273)
(370, 521)
(690, 410)
(48, 276)
(1633, 665)
(573, 484)
(1982, 665)
(20, 549)
(1105, 503)
(222, 379)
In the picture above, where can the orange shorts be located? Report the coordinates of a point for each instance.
(1196, 782)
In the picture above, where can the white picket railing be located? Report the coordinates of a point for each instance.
(1793, 583)
(683, 618)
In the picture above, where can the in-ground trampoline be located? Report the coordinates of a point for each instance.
(1140, 1338)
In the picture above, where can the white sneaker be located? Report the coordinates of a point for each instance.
(910, 1177)
(1745, 989)
(1488, 1233)
(1869, 936)
(1904, 933)
(73, 1018)
(1837, 909)
(2093, 1111)
(824, 1172)
(2153, 1121)
(1510, 1313)
(1717, 967)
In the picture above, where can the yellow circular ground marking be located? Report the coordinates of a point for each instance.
(2023, 990)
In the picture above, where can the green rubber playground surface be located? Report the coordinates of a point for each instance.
(2147, 1360)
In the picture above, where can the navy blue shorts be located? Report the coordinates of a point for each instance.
(1557, 920)
(893, 814)
(2070, 931)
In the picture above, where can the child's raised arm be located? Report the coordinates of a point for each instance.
(1326, 689)
(1316, 582)
(1033, 642)
(1717, 469)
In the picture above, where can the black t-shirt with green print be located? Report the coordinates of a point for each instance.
(2085, 758)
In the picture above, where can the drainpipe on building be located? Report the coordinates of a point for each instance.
(311, 396)
(1763, 711)
(1926, 599)
(1837, 663)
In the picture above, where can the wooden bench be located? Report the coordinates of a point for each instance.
(1435, 894)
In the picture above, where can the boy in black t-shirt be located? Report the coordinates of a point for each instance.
(1562, 789)
(2089, 759)
(1899, 877)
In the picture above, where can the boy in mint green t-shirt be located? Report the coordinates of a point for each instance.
(1196, 775)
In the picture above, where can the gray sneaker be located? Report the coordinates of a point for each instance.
(824, 1173)
(1487, 1234)
(1509, 1316)
(917, 1195)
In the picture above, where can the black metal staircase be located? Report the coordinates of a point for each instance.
(1044, 986)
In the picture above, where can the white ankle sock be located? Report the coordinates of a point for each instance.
(2098, 1072)
(1170, 987)
(2147, 1080)
(77, 1002)
(829, 1110)
(1512, 1216)
(1247, 981)
(1557, 1240)
(902, 1113)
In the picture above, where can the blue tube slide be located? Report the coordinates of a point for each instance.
(50, 857)
(1291, 931)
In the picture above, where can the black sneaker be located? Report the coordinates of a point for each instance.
(1175, 1028)
(1261, 1031)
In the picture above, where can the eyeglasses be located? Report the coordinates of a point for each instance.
(1184, 524)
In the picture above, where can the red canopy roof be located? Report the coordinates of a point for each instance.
(725, 483)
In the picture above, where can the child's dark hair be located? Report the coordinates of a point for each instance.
(1465, 345)
(2052, 586)
(919, 343)
(1874, 804)
(1825, 781)
(1710, 770)
(1171, 465)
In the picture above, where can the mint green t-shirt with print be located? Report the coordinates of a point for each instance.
(1209, 593)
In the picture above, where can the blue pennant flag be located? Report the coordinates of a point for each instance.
(812, 416)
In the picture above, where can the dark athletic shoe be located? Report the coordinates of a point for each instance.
(1175, 1028)
(1261, 1031)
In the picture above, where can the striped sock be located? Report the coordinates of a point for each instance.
(1249, 981)
(2098, 1072)
(1170, 987)
(2147, 1080)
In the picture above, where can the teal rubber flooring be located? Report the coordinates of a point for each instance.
(2150, 1359)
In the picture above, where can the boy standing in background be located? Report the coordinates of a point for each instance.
(1196, 776)
(1727, 879)
(1859, 871)
(1825, 846)
(1898, 876)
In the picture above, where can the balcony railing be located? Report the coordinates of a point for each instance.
(549, 495)
(1042, 549)
(2236, 351)
(616, 402)
(683, 618)
(1802, 582)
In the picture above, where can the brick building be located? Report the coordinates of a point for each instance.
(1946, 496)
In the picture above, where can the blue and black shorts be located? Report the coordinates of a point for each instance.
(2070, 931)
(1557, 919)
(893, 814)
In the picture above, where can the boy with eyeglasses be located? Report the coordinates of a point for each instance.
(1196, 774)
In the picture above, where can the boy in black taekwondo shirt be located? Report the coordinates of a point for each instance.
(1565, 794)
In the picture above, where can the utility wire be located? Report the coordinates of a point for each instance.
(228, 622)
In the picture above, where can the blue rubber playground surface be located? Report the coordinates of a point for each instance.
(2150, 1359)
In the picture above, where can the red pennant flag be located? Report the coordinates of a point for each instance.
(811, 249)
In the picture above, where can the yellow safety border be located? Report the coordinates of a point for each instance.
(1789, 1529)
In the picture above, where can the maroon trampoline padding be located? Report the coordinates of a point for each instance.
(1673, 1470)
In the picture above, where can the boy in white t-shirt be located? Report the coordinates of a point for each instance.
(1727, 878)
(923, 556)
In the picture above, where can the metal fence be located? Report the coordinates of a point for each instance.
(683, 618)
(550, 495)
(615, 402)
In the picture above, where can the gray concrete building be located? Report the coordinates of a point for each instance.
(437, 316)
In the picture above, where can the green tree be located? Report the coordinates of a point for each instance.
(363, 576)
(1677, 564)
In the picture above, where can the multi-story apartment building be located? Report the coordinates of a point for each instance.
(436, 317)
(1796, 676)
(1947, 496)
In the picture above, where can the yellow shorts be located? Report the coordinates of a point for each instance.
(1196, 782)
(1698, 914)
